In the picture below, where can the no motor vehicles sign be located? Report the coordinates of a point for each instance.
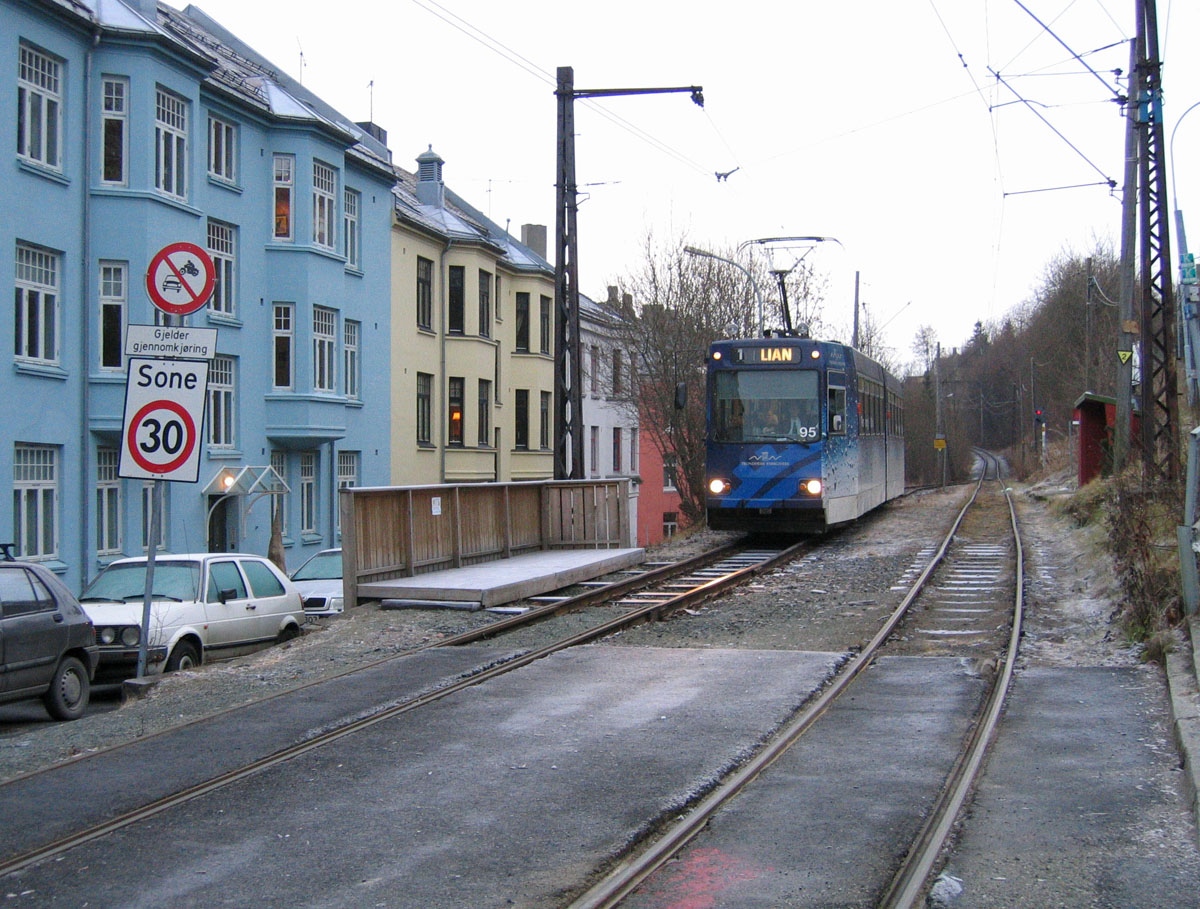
(164, 415)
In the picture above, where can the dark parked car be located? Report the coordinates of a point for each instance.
(47, 642)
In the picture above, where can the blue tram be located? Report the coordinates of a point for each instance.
(802, 435)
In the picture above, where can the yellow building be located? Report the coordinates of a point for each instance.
(472, 342)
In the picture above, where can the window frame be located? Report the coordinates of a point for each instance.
(544, 419)
(35, 501)
(324, 349)
(222, 249)
(456, 300)
(40, 107)
(352, 358)
(521, 419)
(308, 492)
(424, 409)
(222, 149)
(485, 303)
(545, 324)
(283, 344)
(324, 194)
(521, 332)
(484, 435)
(170, 144)
(283, 182)
(222, 402)
(114, 129)
(113, 314)
(456, 388)
(108, 502)
(351, 238)
(424, 293)
(38, 316)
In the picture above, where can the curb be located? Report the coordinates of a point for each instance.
(1184, 693)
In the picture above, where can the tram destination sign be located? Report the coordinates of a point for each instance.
(174, 342)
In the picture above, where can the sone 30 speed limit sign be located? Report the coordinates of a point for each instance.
(164, 415)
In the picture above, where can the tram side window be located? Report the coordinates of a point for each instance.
(837, 410)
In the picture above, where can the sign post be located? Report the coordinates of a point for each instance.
(165, 398)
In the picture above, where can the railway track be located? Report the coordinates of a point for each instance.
(630, 598)
(955, 565)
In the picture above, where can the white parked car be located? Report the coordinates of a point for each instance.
(205, 606)
(319, 581)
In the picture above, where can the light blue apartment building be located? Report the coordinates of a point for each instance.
(130, 126)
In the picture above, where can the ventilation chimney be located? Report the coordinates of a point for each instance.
(534, 236)
(430, 188)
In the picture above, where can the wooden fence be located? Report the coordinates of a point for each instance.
(401, 531)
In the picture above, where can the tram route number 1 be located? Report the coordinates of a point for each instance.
(164, 416)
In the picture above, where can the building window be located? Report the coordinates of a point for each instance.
(595, 370)
(521, 418)
(308, 492)
(113, 307)
(147, 512)
(424, 408)
(523, 322)
(285, 179)
(594, 451)
(108, 502)
(347, 477)
(37, 305)
(670, 524)
(616, 461)
(499, 299)
(170, 145)
(545, 324)
(324, 210)
(35, 501)
(454, 396)
(284, 340)
(618, 378)
(114, 131)
(350, 359)
(544, 415)
(222, 150)
(222, 393)
(222, 246)
(424, 293)
(324, 347)
(280, 506)
(457, 293)
(670, 466)
(633, 452)
(39, 108)
(350, 237)
(485, 303)
(485, 413)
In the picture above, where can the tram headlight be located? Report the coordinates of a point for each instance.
(812, 487)
(718, 486)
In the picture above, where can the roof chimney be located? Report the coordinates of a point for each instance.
(534, 236)
(430, 188)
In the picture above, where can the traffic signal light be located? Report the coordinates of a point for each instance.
(1038, 418)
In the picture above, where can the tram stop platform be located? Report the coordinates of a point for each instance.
(490, 584)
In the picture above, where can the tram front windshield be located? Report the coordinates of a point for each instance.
(766, 406)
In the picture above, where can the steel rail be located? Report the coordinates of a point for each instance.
(627, 874)
(911, 880)
(634, 616)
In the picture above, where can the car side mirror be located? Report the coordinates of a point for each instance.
(229, 593)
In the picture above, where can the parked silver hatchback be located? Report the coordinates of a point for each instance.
(206, 605)
(47, 643)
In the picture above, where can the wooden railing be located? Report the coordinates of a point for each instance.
(401, 531)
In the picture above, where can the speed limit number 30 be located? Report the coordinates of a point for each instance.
(164, 415)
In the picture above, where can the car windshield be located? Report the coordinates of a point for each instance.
(178, 580)
(766, 406)
(321, 567)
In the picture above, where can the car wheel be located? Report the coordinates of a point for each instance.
(289, 633)
(184, 656)
(68, 694)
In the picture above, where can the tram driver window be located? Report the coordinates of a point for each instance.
(837, 411)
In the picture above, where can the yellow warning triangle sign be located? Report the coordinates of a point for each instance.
(1124, 355)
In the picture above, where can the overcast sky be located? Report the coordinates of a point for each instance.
(931, 138)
